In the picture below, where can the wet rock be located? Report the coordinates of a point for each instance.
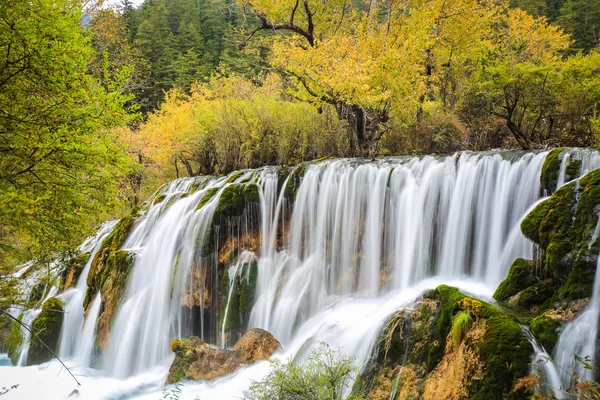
(196, 360)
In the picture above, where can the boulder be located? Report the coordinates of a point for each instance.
(196, 360)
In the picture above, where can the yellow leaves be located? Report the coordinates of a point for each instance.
(528, 38)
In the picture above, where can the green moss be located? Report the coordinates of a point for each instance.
(234, 176)
(248, 286)
(159, 198)
(73, 268)
(232, 308)
(294, 181)
(449, 298)
(46, 328)
(550, 169)
(535, 295)
(460, 326)
(563, 226)
(184, 357)
(210, 193)
(111, 244)
(545, 330)
(14, 341)
(519, 277)
(250, 192)
(231, 203)
(506, 353)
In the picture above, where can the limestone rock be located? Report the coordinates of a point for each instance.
(196, 360)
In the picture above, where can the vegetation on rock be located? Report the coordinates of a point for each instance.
(196, 360)
(46, 331)
(449, 333)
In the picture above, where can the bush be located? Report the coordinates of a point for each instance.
(324, 375)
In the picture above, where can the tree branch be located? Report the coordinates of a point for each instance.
(42, 342)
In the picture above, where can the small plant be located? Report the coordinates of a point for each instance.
(460, 325)
(172, 392)
(324, 375)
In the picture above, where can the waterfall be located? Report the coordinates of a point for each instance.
(165, 242)
(356, 241)
(371, 228)
(72, 342)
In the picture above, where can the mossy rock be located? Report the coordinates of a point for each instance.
(210, 193)
(546, 330)
(520, 276)
(113, 283)
(159, 198)
(550, 170)
(184, 357)
(111, 244)
(242, 296)
(234, 176)
(15, 339)
(421, 338)
(46, 330)
(251, 193)
(294, 181)
(231, 203)
(563, 226)
(73, 268)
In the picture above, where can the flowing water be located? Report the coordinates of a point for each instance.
(362, 240)
(77, 339)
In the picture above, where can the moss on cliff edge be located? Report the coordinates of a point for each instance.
(520, 276)
(563, 227)
(46, 328)
(550, 169)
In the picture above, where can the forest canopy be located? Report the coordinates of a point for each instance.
(101, 103)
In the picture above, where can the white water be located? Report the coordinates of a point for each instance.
(364, 240)
(241, 266)
(76, 339)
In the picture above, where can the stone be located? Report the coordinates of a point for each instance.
(196, 360)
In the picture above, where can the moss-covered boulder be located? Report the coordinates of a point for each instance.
(520, 276)
(449, 346)
(196, 360)
(546, 329)
(46, 331)
(15, 339)
(109, 273)
(111, 244)
(231, 203)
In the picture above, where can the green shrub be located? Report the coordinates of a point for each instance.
(324, 375)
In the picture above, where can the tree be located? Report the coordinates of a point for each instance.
(59, 162)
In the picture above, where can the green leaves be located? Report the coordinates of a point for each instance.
(59, 164)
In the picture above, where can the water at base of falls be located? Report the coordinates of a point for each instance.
(364, 239)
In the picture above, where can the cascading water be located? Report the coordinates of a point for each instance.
(166, 242)
(362, 240)
(72, 341)
(416, 218)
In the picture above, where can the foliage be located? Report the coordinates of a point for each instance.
(231, 123)
(461, 323)
(59, 160)
(324, 375)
